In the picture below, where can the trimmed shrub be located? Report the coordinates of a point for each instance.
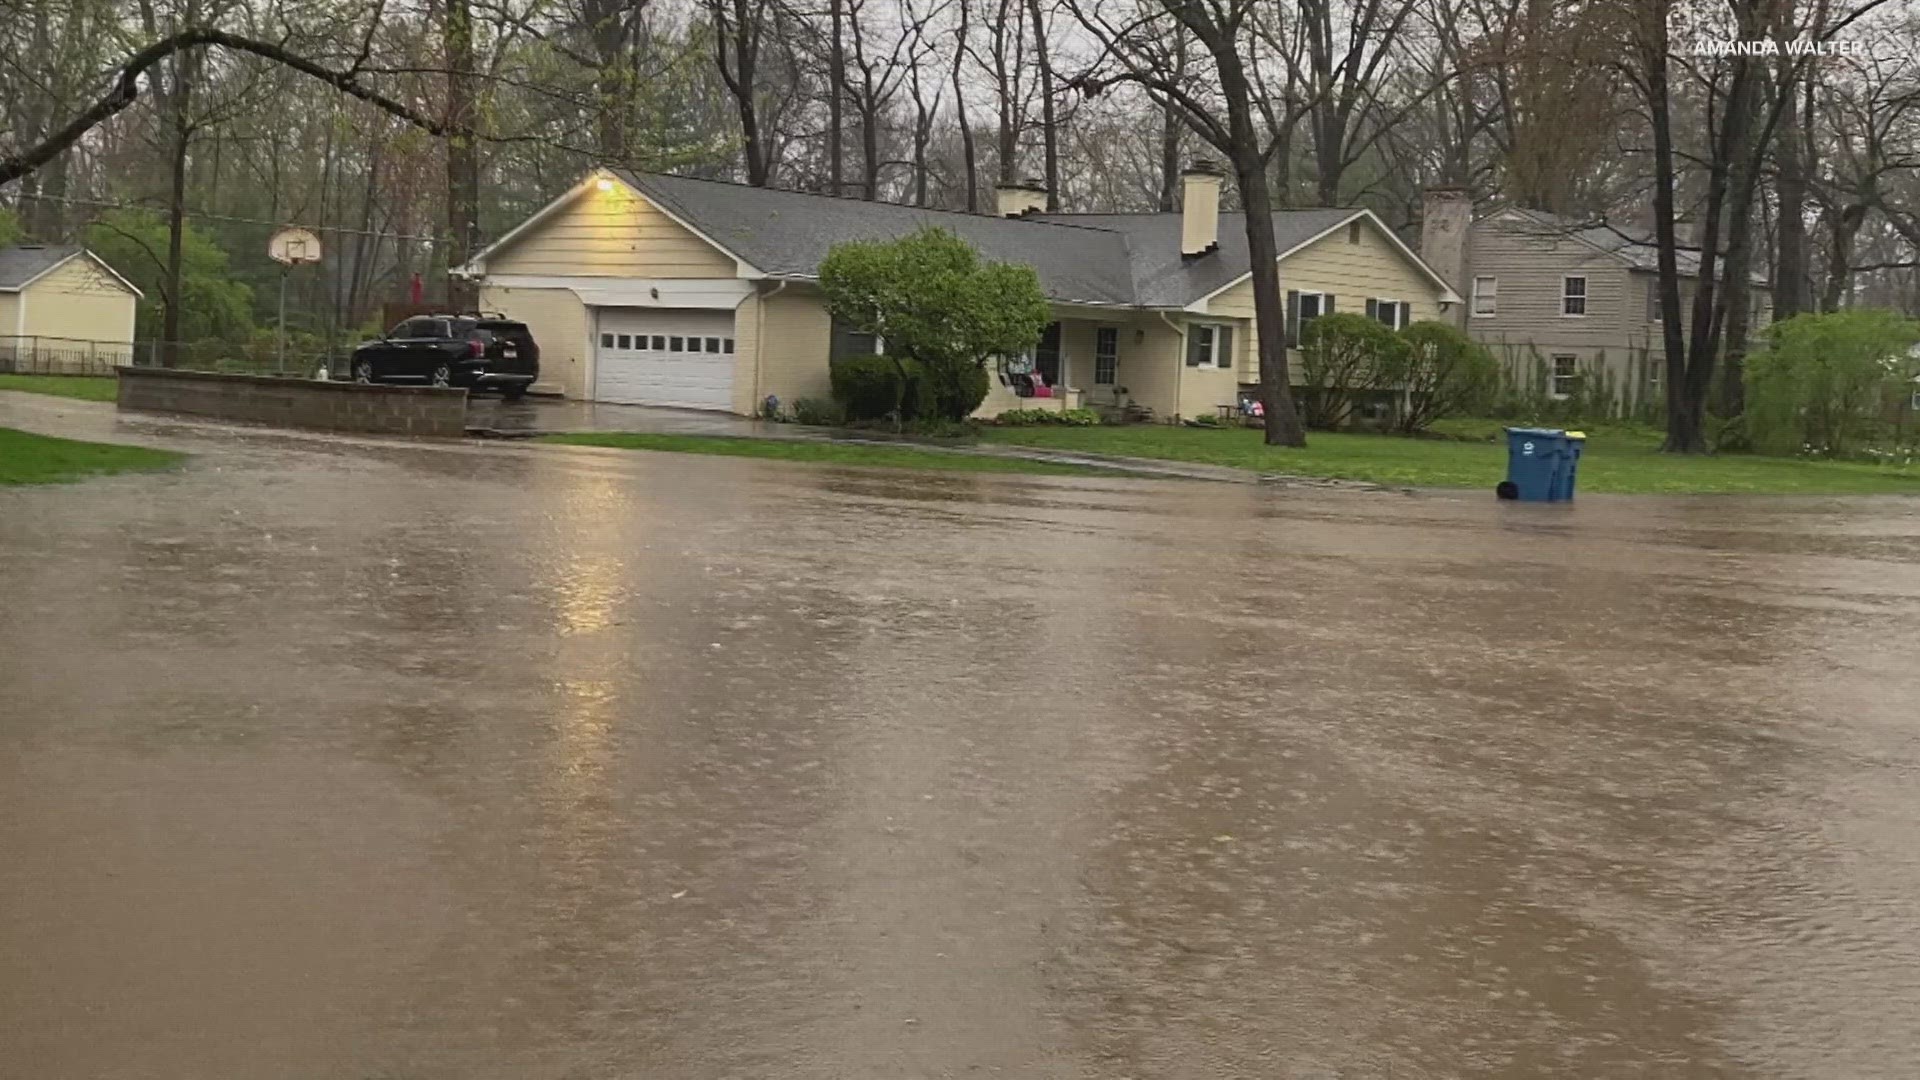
(957, 387)
(1344, 357)
(1442, 372)
(1048, 417)
(868, 387)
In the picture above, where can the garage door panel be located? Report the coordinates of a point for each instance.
(665, 356)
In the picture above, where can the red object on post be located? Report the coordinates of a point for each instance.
(415, 289)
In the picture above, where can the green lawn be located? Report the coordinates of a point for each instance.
(87, 388)
(1619, 458)
(38, 459)
(882, 457)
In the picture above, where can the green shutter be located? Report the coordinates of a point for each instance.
(1293, 318)
(1194, 354)
(1227, 359)
(1373, 308)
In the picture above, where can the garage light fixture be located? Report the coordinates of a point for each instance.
(604, 184)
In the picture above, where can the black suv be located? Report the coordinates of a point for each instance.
(483, 352)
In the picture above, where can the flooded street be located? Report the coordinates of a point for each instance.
(331, 759)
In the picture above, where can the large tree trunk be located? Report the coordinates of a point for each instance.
(737, 27)
(1791, 289)
(870, 151)
(1842, 228)
(613, 83)
(1283, 426)
(836, 94)
(968, 156)
(1703, 340)
(1169, 158)
(1049, 132)
(1737, 293)
(1007, 86)
(180, 116)
(1685, 428)
(463, 158)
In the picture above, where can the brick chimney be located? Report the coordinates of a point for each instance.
(1446, 215)
(1199, 208)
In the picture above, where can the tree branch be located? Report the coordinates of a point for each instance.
(126, 90)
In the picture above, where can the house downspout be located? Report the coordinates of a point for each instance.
(1179, 359)
(760, 338)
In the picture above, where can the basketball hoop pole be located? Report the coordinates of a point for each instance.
(280, 350)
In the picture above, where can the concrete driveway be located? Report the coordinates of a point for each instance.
(337, 758)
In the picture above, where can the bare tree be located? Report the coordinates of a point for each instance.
(1136, 51)
(1049, 126)
(737, 29)
(970, 163)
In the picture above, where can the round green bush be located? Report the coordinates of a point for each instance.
(865, 386)
(958, 388)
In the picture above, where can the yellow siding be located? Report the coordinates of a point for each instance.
(746, 356)
(795, 334)
(1374, 268)
(562, 326)
(1151, 365)
(1203, 388)
(611, 234)
(79, 302)
(9, 316)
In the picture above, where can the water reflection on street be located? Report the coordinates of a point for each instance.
(348, 760)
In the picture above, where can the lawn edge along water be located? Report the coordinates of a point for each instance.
(1619, 459)
(26, 458)
(78, 387)
(823, 452)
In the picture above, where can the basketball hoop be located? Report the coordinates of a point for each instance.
(294, 247)
(290, 247)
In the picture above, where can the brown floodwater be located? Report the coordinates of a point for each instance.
(332, 758)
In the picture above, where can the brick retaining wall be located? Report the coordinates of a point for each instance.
(301, 403)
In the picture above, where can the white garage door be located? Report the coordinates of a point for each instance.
(665, 356)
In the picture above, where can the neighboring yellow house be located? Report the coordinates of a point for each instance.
(664, 290)
(63, 309)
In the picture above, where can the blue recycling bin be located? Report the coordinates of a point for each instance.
(1536, 461)
(1563, 479)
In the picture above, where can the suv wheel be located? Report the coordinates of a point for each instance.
(443, 375)
(514, 392)
(363, 371)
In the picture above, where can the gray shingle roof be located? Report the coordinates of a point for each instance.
(1638, 252)
(788, 233)
(1161, 278)
(19, 265)
(1120, 259)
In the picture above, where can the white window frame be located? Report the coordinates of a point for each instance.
(1491, 295)
(1554, 376)
(1402, 312)
(1213, 361)
(1567, 296)
(1656, 371)
(1301, 318)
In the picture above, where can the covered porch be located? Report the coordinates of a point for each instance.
(1116, 361)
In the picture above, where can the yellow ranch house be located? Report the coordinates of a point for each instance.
(665, 290)
(63, 309)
